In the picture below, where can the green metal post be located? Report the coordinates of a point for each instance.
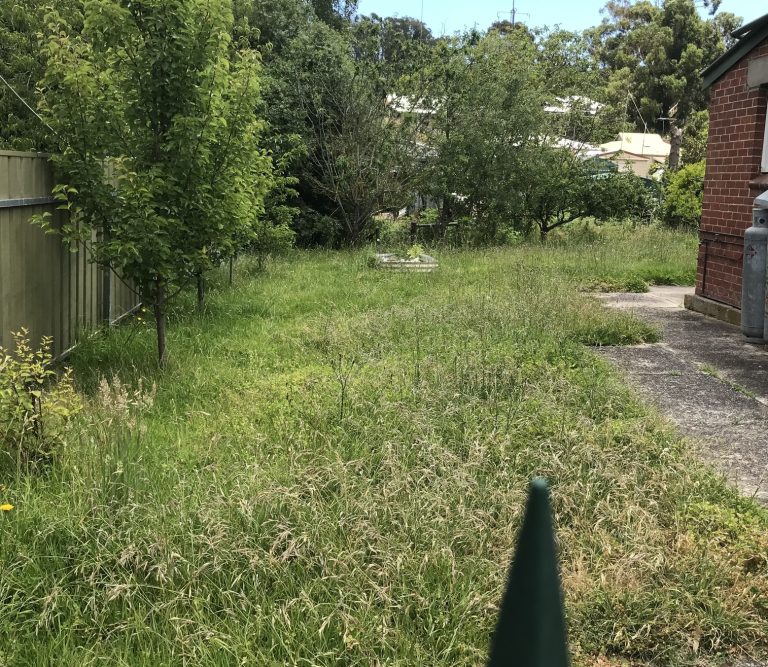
(531, 626)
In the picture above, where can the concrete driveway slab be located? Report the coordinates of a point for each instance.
(707, 380)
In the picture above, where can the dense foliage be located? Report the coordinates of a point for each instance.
(23, 67)
(683, 197)
(228, 123)
(655, 53)
(161, 157)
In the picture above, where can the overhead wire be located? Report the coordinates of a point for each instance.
(26, 104)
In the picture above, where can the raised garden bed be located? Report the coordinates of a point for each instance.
(392, 262)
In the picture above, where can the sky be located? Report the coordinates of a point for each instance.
(449, 16)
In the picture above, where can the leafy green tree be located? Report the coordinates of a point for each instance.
(694, 140)
(398, 41)
(269, 25)
(490, 118)
(361, 154)
(497, 149)
(23, 66)
(565, 64)
(568, 71)
(562, 188)
(657, 51)
(336, 13)
(162, 166)
(683, 196)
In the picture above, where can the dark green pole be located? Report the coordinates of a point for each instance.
(531, 626)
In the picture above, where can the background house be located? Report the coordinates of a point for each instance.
(636, 152)
(737, 164)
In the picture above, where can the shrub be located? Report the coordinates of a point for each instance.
(36, 406)
(683, 197)
(271, 239)
(314, 229)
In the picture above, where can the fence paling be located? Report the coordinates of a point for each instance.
(44, 286)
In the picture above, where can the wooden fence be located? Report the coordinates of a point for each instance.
(50, 289)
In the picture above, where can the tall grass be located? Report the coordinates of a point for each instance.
(332, 469)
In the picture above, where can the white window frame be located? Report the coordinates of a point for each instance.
(764, 163)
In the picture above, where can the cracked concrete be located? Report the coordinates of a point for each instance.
(706, 379)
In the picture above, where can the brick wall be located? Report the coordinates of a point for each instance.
(733, 180)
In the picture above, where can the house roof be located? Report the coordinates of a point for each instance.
(637, 143)
(406, 104)
(747, 38)
(630, 157)
(566, 105)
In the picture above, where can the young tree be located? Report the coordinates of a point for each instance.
(161, 160)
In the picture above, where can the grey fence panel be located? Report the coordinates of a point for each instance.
(46, 287)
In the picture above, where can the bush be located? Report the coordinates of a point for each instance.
(683, 197)
(272, 239)
(36, 406)
(316, 230)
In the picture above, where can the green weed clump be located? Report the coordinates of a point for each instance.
(332, 470)
(36, 405)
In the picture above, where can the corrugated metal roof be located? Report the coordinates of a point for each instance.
(651, 145)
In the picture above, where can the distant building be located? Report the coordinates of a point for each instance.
(636, 152)
(737, 164)
(571, 103)
(406, 105)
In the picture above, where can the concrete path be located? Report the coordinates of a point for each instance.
(706, 379)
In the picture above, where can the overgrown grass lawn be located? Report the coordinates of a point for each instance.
(334, 465)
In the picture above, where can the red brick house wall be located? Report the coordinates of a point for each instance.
(733, 179)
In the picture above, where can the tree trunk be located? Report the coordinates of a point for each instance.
(544, 232)
(159, 309)
(445, 216)
(200, 291)
(674, 151)
(231, 271)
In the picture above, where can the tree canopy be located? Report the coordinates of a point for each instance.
(652, 55)
(23, 67)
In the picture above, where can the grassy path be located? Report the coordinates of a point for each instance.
(331, 472)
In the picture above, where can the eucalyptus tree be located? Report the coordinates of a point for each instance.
(162, 165)
(658, 50)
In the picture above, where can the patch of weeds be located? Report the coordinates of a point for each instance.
(37, 405)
